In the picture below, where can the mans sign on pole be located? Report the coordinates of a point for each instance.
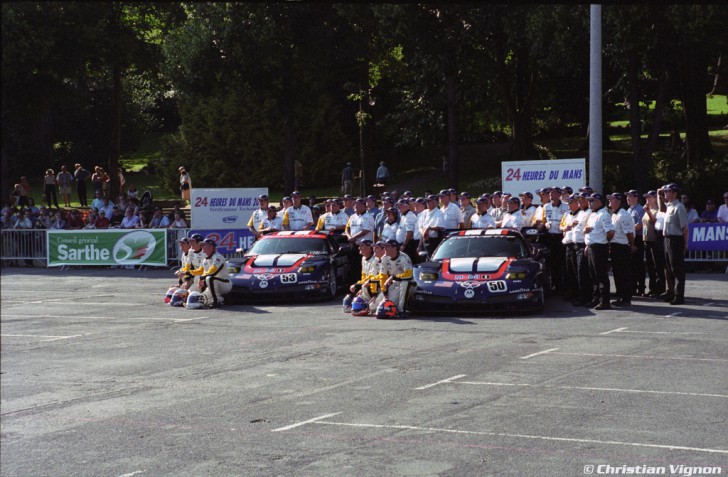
(527, 176)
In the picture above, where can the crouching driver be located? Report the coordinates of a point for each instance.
(397, 267)
(214, 277)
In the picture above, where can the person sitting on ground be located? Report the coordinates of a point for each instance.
(214, 277)
(398, 269)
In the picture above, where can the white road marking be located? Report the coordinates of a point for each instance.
(529, 436)
(50, 337)
(587, 388)
(668, 332)
(709, 303)
(613, 331)
(539, 353)
(190, 319)
(674, 314)
(448, 380)
(132, 473)
(643, 357)
(298, 424)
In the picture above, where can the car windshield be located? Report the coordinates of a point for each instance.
(289, 245)
(485, 246)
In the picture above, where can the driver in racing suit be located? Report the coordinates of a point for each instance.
(369, 283)
(398, 269)
(185, 277)
(214, 278)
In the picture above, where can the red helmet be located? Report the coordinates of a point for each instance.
(387, 310)
(169, 294)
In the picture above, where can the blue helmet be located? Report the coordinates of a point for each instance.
(347, 303)
(359, 307)
(179, 297)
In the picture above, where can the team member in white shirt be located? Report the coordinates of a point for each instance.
(334, 221)
(528, 210)
(513, 218)
(272, 223)
(553, 211)
(361, 224)
(298, 216)
(451, 218)
(496, 211)
(214, 277)
(723, 209)
(391, 224)
(597, 234)
(431, 225)
(406, 230)
(620, 249)
(466, 208)
(257, 217)
(584, 296)
(571, 285)
(482, 219)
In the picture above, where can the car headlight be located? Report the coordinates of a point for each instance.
(428, 276)
(233, 269)
(516, 276)
(307, 269)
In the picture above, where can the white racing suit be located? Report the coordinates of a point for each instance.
(216, 278)
(400, 268)
(369, 271)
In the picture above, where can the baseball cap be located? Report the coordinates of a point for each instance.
(407, 193)
(348, 197)
(403, 202)
(596, 196)
(391, 243)
(366, 242)
(286, 198)
(262, 197)
(420, 200)
(452, 190)
(197, 237)
(709, 201)
(545, 190)
(464, 194)
(482, 200)
(295, 192)
(567, 189)
(361, 201)
(526, 194)
(379, 244)
(371, 197)
(633, 192)
(431, 197)
(556, 189)
(515, 200)
(586, 189)
(209, 241)
(616, 195)
(498, 193)
(272, 208)
(444, 192)
(650, 193)
(184, 240)
(672, 186)
(573, 197)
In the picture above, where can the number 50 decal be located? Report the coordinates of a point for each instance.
(497, 286)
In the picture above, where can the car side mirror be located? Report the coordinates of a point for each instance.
(422, 254)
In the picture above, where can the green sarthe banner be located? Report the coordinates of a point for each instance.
(107, 247)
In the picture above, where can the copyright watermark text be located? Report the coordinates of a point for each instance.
(680, 470)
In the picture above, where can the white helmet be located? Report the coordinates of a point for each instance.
(179, 297)
(196, 300)
(170, 292)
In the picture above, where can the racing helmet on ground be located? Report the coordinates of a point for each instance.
(347, 303)
(179, 297)
(196, 300)
(387, 310)
(359, 307)
(169, 294)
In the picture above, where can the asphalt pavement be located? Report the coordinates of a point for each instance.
(99, 377)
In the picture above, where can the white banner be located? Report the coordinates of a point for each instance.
(224, 208)
(527, 176)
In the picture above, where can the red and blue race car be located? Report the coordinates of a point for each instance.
(291, 265)
(481, 270)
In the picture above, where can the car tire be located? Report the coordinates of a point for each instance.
(332, 285)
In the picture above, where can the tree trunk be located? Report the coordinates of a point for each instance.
(690, 74)
(656, 117)
(113, 166)
(288, 166)
(640, 165)
(452, 130)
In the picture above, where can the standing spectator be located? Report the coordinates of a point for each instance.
(122, 179)
(620, 248)
(451, 218)
(466, 209)
(24, 191)
(597, 234)
(553, 211)
(692, 213)
(654, 245)
(710, 214)
(97, 180)
(382, 174)
(347, 180)
(133, 192)
(723, 210)
(59, 222)
(676, 242)
(64, 179)
(185, 183)
(49, 187)
(637, 261)
(80, 175)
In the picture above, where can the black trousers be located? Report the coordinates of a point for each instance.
(557, 260)
(81, 188)
(583, 279)
(571, 275)
(599, 271)
(637, 264)
(621, 270)
(675, 262)
(655, 261)
(49, 190)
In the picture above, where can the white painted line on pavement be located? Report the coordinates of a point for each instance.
(668, 332)
(529, 436)
(132, 473)
(50, 337)
(539, 353)
(709, 303)
(643, 357)
(674, 314)
(190, 319)
(298, 424)
(448, 380)
(587, 388)
(613, 331)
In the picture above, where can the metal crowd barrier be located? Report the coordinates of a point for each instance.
(29, 247)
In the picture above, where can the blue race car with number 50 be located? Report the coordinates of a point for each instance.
(481, 270)
(291, 265)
